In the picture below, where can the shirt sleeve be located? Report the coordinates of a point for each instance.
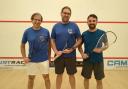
(48, 35)
(78, 34)
(53, 34)
(105, 39)
(82, 36)
(24, 38)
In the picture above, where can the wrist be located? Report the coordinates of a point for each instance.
(73, 48)
(55, 51)
(24, 57)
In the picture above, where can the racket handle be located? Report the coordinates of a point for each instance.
(56, 57)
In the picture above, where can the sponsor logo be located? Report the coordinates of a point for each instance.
(117, 63)
(11, 62)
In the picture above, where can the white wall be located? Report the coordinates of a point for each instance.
(106, 10)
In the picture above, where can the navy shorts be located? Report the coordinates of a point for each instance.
(68, 63)
(97, 68)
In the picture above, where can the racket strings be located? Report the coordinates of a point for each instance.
(111, 37)
(108, 37)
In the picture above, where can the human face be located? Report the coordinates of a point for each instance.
(36, 21)
(65, 15)
(92, 22)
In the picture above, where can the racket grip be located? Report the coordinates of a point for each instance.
(56, 57)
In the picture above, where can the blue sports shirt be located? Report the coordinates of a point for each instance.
(65, 36)
(90, 40)
(38, 43)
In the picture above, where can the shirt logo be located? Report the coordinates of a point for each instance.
(41, 38)
(70, 31)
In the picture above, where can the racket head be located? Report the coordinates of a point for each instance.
(111, 37)
(108, 38)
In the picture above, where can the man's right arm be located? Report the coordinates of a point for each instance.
(23, 52)
(53, 45)
(84, 55)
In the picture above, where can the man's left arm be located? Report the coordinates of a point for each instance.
(78, 42)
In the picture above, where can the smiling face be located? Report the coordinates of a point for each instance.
(65, 15)
(36, 21)
(92, 22)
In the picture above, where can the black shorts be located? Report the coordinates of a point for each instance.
(88, 68)
(68, 63)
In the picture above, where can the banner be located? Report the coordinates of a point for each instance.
(12, 64)
(110, 63)
(116, 64)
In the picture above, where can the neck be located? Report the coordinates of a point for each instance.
(92, 30)
(64, 22)
(36, 28)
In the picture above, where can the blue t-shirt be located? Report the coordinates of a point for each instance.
(65, 36)
(38, 43)
(90, 40)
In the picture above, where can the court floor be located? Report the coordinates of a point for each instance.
(17, 79)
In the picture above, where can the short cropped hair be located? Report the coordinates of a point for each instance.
(66, 7)
(32, 17)
(92, 15)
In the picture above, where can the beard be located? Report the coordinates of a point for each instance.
(65, 19)
(92, 26)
